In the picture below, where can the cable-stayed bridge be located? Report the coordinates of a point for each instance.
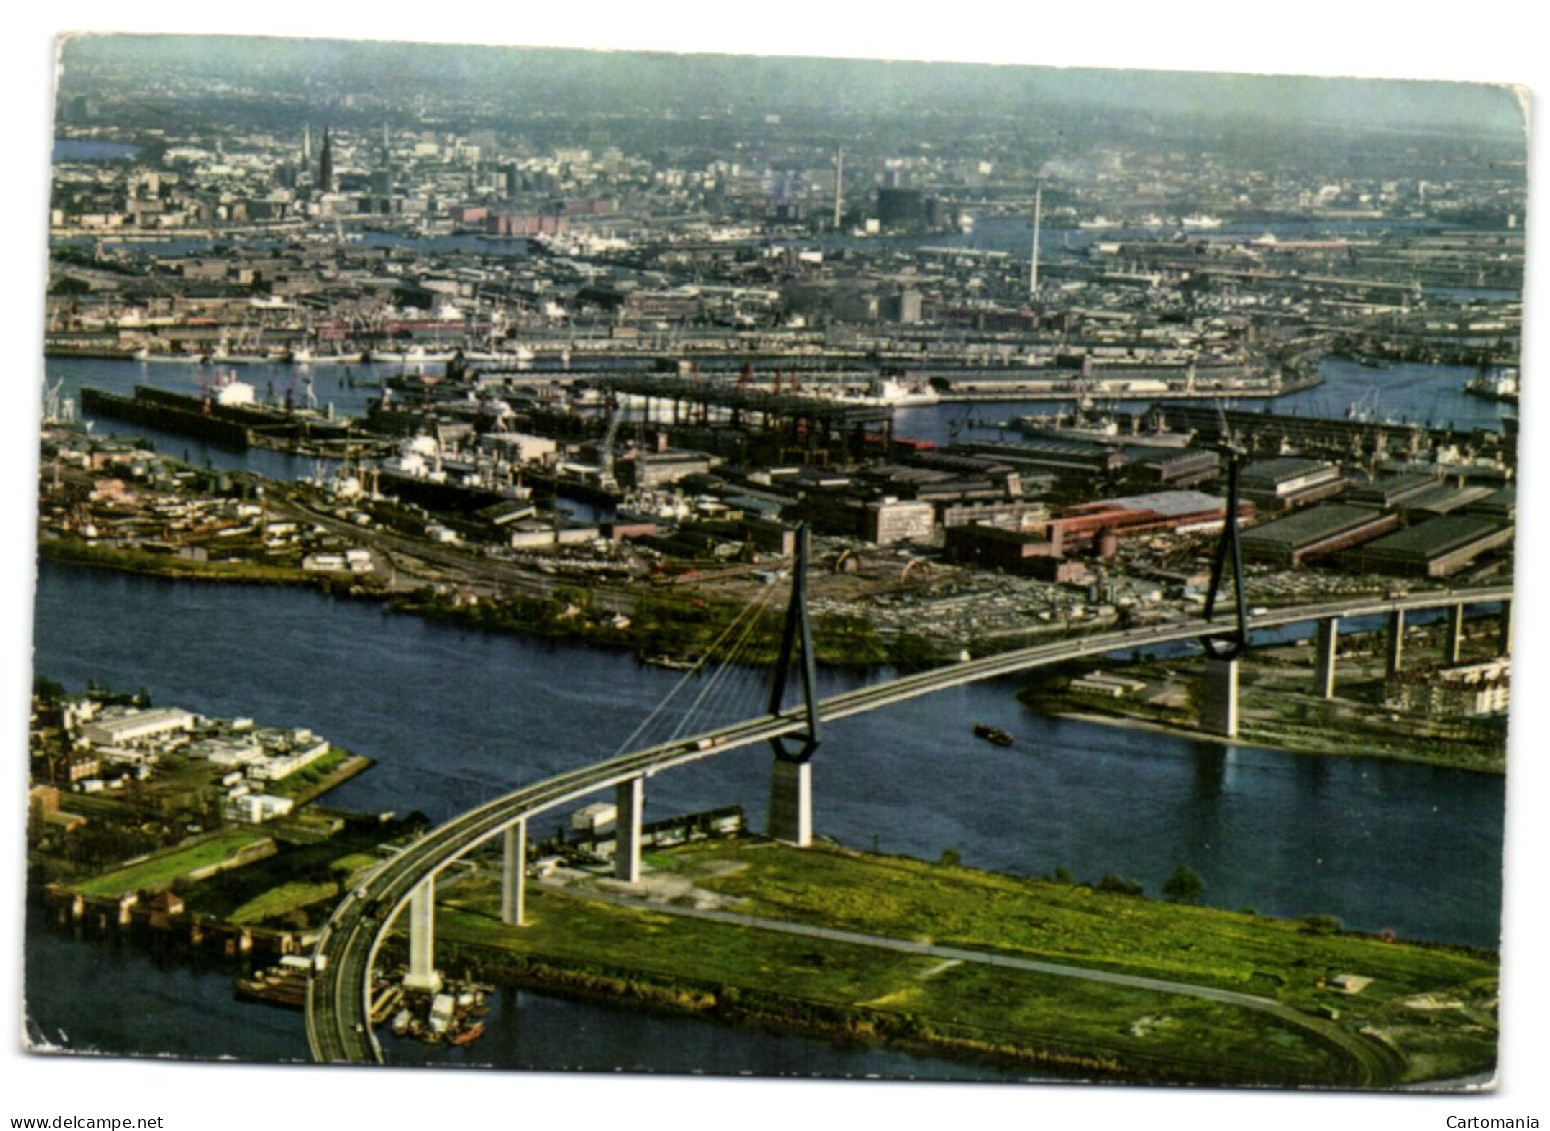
(338, 1000)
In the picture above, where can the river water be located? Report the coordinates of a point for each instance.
(454, 717)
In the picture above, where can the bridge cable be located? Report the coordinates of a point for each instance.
(731, 665)
(737, 623)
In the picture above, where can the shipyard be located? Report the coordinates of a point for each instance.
(620, 582)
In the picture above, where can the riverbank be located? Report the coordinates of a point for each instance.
(1069, 979)
(1278, 708)
(78, 552)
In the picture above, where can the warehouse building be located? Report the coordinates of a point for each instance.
(1287, 483)
(1185, 467)
(126, 726)
(1501, 504)
(1181, 511)
(886, 522)
(1392, 490)
(1440, 499)
(1437, 547)
(1013, 551)
(1061, 457)
(1315, 533)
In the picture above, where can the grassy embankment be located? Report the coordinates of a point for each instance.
(320, 776)
(78, 552)
(159, 871)
(282, 902)
(1043, 1022)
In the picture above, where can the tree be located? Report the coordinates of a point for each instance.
(1118, 885)
(1184, 886)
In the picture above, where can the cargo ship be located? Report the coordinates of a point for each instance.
(228, 416)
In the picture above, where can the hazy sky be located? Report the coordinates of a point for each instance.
(788, 82)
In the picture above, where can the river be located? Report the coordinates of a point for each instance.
(454, 717)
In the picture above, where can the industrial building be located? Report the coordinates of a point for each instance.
(126, 726)
(1019, 514)
(1392, 490)
(1441, 498)
(1183, 511)
(644, 470)
(1174, 467)
(889, 521)
(1434, 548)
(1286, 483)
(1061, 457)
(1315, 533)
(1013, 551)
(1501, 504)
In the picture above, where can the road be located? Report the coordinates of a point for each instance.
(338, 1030)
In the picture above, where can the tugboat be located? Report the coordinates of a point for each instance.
(992, 734)
(1500, 385)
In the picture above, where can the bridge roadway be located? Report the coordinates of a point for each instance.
(339, 991)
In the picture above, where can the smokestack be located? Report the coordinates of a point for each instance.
(1033, 266)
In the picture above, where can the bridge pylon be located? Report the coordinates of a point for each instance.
(1228, 550)
(422, 974)
(791, 782)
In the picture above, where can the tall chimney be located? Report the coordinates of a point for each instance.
(1033, 266)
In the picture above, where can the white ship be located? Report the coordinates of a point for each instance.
(893, 392)
(1500, 385)
(1201, 221)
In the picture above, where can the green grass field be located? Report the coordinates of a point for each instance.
(1048, 1022)
(159, 871)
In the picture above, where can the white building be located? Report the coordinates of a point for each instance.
(122, 726)
(593, 818)
(256, 808)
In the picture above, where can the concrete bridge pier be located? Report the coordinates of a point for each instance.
(1396, 643)
(423, 974)
(1219, 708)
(1326, 646)
(630, 801)
(791, 802)
(514, 875)
(1453, 640)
